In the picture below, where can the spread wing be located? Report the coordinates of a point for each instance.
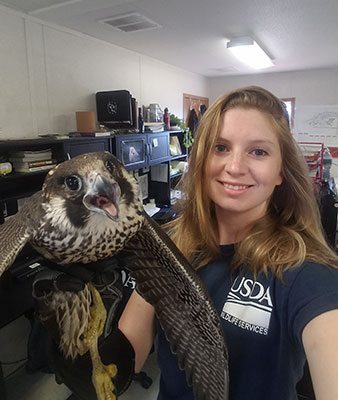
(17, 231)
(191, 324)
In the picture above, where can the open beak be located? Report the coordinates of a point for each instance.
(103, 198)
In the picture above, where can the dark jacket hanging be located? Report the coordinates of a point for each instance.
(193, 121)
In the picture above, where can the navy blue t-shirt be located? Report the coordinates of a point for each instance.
(263, 321)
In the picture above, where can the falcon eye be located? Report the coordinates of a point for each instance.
(73, 182)
(110, 167)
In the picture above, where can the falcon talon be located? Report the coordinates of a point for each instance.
(98, 314)
(111, 369)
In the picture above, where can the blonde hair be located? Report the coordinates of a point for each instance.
(289, 233)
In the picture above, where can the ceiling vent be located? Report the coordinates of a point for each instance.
(133, 22)
(224, 70)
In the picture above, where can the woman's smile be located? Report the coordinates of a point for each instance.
(235, 186)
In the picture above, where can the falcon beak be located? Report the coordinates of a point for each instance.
(103, 198)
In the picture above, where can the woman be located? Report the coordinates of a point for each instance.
(251, 227)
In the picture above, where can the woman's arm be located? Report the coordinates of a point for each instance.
(137, 323)
(320, 340)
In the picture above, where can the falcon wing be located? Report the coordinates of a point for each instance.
(17, 231)
(167, 281)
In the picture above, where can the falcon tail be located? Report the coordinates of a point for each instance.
(168, 282)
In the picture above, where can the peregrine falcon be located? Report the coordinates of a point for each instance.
(88, 210)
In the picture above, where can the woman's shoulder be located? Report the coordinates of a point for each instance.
(311, 279)
(308, 290)
(309, 270)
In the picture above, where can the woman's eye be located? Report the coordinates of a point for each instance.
(221, 148)
(73, 183)
(110, 167)
(259, 152)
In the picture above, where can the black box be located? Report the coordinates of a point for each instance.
(114, 109)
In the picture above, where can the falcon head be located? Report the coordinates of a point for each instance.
(90, 184)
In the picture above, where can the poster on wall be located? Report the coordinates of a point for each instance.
(317, 124)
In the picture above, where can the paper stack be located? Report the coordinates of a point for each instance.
(31, 161)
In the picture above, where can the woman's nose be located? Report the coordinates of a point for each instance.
(236, 163)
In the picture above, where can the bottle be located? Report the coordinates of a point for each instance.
(140, 121)
(166, 119)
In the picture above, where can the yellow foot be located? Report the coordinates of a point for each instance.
(102, 381)
(102, 374)
(98, 315)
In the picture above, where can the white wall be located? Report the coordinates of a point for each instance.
(310, 87)
(47, 73)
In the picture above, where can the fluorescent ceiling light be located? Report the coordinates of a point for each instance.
(248, 51)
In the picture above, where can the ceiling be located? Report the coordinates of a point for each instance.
(191, 34)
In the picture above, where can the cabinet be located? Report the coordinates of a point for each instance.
(141, 150)
(73, 148)
(154, 155)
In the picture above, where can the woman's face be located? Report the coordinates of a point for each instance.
(245, 165)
